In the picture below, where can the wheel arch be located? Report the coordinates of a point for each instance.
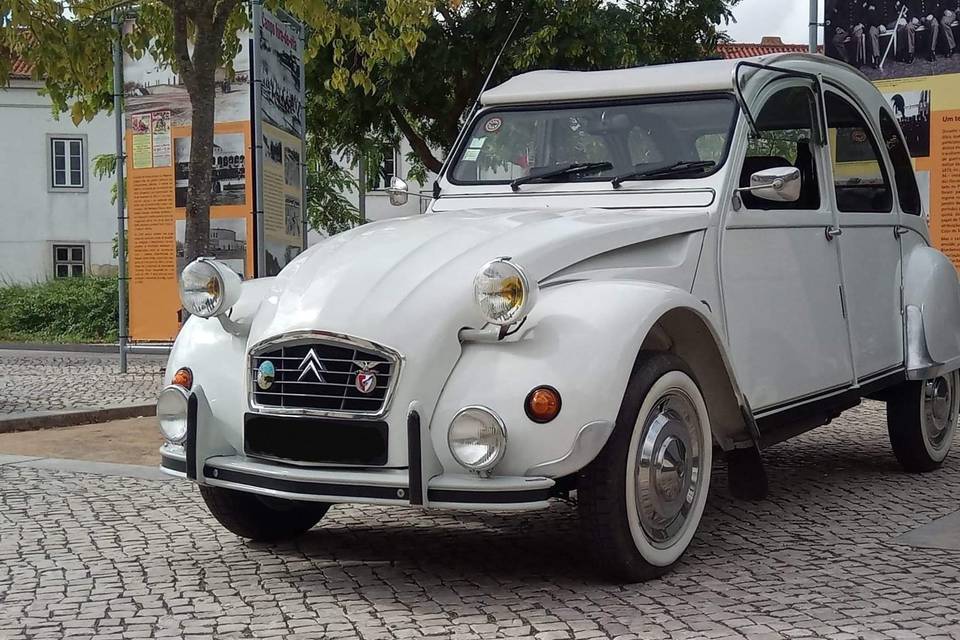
(685, 332)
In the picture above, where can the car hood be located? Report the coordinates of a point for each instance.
(388, 280)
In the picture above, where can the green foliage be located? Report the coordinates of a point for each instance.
(64, 310)
(328, 209)
(426, 97)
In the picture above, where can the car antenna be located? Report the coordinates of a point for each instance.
(476, 105)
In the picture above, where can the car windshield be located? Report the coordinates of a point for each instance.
(582, 143)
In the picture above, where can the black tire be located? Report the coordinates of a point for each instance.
(260, 518)
(602, 487)
(920, 439)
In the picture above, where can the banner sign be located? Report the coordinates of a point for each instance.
(908, 49)
(256, 218)
(279, 127)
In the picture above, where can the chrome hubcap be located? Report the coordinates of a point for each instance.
(667, 472)
(938, 409)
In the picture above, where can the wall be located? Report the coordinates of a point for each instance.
(32, 218)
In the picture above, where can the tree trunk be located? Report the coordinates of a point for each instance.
(200, 190)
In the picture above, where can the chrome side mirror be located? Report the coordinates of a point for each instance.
(779, 184)
(399, 192)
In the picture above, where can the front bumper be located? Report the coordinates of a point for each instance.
(419, 485)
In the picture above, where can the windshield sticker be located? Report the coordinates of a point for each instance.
(471, 154)
(493, 125)
(476, 143)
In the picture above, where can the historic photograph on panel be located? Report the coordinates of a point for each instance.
(272, 149)
(228, 243)
(278, 71)
(292, 218)
(149, 86)
(912, 109)
(894, 39)
(291, 167)
(229, 169)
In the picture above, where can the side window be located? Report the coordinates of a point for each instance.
(859, 176)
(903, 173)
(785, 125)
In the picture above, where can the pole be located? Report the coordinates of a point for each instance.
(121, 195)
(814, 25)
(362, 188)
(260, 260)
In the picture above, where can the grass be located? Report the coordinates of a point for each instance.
(64, 310)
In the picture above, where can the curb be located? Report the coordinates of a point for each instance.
(56, 346)
(50, 420)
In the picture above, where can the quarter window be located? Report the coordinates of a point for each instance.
(68, 260)
(66, 163)
(906, 179)
(859, 176)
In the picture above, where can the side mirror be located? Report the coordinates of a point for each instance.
(399, 192)
(779, 184)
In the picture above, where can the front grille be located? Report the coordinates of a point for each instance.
(322, 375)
(315, 440)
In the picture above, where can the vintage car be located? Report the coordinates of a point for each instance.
(621, 275)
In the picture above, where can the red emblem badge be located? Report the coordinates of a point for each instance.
(366, 381)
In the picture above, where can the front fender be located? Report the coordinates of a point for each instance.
(582, 338)
(932, 307)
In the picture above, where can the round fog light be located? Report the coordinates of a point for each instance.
(477, 438)
(172, 414)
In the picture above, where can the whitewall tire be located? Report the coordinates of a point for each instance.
(922, 421)
(642, 499)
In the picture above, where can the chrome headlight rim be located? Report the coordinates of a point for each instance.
(228, 286)
(528, 287)
(500, 445)
(179, 395)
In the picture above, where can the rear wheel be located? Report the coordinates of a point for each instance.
(642, 498)
(922, 421)
(261, 518)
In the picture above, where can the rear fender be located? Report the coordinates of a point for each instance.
(583, 339)
(932, 313)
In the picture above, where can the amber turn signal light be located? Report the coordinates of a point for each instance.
(183, 378)
(542, 404)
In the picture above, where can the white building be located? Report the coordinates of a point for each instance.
(56, 217)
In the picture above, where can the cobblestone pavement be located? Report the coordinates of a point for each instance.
(89, 556)
(56, 381)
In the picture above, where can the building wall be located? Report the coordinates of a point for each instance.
(32, 217)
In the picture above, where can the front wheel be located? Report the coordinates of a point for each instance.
(261, 518)
(922, 420)
(642, 498)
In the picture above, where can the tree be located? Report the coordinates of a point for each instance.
(425, 97)
(69, 44)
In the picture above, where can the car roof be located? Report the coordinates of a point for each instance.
(663, 79)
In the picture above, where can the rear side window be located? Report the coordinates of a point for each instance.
(903, 174)
(859, 174)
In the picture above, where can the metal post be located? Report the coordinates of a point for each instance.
(362, 188)
(814, 25)
(256, 132)
(121, 195)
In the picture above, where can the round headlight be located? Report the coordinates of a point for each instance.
(503, 292)
(208, 288)
(172, 414)
(477, 438)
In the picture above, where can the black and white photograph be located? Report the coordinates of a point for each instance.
(228, 243)
(279, 255)
(912, 109)
(293, 221)
(892, 38)
(291, 167)
(151, 86)
(272, 149)
(229, 169)
(278, 71)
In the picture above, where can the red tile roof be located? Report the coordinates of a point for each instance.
(21, 69)
(769, 45)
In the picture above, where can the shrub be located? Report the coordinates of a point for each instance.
(65, 310)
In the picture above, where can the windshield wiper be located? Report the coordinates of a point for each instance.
(566, 170)
(683, 166)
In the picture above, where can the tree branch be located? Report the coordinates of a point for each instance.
(419, 145)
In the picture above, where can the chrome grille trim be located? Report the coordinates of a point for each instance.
(393, 358)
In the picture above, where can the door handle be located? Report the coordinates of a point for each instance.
(900, 230)
(832, 232)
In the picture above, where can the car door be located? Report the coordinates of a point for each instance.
(780, 272)
(869, 245)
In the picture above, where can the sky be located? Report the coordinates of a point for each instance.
(785, 18)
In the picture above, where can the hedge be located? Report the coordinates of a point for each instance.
(64, 310)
